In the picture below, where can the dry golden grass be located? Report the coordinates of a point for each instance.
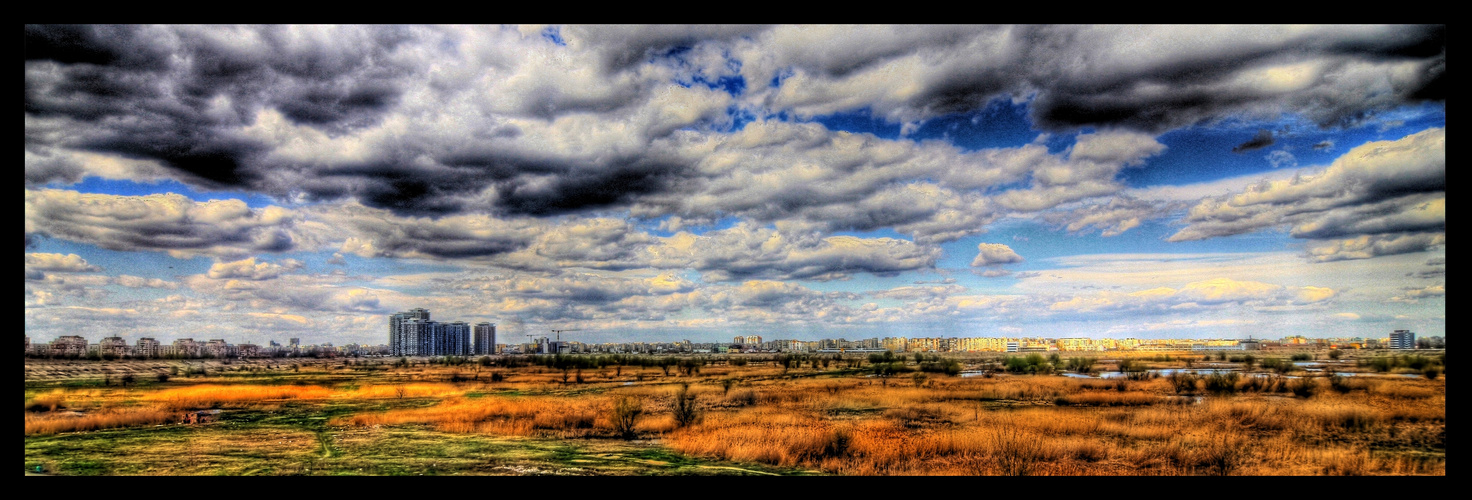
(562, 417)
(1003, 425)
(52, 423)
(208, 395)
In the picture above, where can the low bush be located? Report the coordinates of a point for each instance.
(1222, 382)
(625, 415)
(685, 409)
(1303, 387)
(1184, 382)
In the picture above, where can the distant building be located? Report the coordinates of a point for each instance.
(148, 347)
(217, 348)
(69, 345)
(115, 346)
(456, 340)
(187, 348)
(1402, 339)
(485, 338)
(400, 343)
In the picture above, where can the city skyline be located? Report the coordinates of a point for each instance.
(654, 183)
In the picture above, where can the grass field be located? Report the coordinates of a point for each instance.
(758, 416)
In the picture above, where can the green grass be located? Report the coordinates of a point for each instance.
(297, 439)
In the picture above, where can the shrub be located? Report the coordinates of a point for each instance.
(837, 443)
(1303, 356)
(1183, 382)
(742, 398)
(1339, 383)
(685, 410)
(1222, 382)
(1081, 364)
(1303, 387)
(1222, 455)
(949, 367)
(44, 403)
(1431, 372)
(1334, 354)
(625, 415)
(1131, 365)
(163, 377)
(1015, 451)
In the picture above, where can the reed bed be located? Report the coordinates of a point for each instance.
(211, 395)
(53, 423)
(901, 425)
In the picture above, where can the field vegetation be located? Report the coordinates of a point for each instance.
(883, 414)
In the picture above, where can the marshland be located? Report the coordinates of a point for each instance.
(1112, 413)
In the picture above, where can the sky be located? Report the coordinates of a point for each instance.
(664, 183)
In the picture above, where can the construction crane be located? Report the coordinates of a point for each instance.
(559, 332)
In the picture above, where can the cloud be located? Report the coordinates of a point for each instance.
(994, 254)
(1282, 159)
(1146, 77)
(1367, 195)
(788, 251)
(160, 222)
(1263, 139)
(1311, 294)
(370, 232)
(1367, 246)
(1413, 294)
(140, 282)
(1119, 214)
(445, 120)
(249, 269)
(1324, 145)
(1212, 293)
(69, 263)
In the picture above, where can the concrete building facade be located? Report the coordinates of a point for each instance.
(1402, 339)
(485, 338)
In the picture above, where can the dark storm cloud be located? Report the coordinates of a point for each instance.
(122, 46)
(178, 95)
(434, 121)
(1151, 78)
(1263, 139)
(46, 168)
(624, 46)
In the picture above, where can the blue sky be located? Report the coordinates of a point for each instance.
(666, 183)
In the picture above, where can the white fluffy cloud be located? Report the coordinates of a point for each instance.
(1379, 198)
(38, 263)
(159, 222)
(249, 269)
(994, 254)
